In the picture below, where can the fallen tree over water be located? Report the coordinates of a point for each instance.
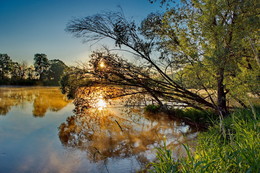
(196, 47)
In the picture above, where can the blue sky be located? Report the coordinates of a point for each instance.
(37, 26)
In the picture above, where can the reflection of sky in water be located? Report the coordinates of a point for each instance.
(29, 144)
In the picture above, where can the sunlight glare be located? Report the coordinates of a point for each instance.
(101, 104)
(102, 64)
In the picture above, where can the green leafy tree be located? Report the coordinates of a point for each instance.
(217, 36)
(56, 70)
(18, 72)
(73, 78)
(210, 38)
(15, 71)
(5, 66)
(41, 65)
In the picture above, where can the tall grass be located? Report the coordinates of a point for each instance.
(232, 145)
(165, 162)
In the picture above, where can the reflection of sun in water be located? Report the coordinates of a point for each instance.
(101, 104)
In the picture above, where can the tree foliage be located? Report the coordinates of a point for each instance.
(49, 71)
(196, 53)
(41, 65)
(44, 71)
(56, 70)
(5, 66)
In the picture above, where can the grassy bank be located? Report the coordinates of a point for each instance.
(232, 145)
(197, 119)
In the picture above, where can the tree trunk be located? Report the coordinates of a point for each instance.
(2, 75)
(222, 102)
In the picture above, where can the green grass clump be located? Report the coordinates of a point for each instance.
(232, 145)
(204, 118)
(152, 108)
(165, 161)
(201, 116)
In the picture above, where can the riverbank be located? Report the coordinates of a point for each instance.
(231, 145)
(197, 119)
(27, 82)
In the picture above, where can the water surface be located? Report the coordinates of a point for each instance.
(40, 132)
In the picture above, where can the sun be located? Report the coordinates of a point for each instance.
(102, 64)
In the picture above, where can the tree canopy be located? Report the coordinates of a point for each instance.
(199, 53)
(44, 71)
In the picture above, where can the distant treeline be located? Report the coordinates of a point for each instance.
(42, 72)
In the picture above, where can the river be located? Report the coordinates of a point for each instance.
(40, 131)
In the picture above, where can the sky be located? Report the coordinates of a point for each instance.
(38, 26)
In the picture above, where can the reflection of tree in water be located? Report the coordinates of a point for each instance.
(10, 97)
(43, 99)
(48, 100)
(103, 134)
(4, 110)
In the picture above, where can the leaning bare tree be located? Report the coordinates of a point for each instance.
(152, 78)
(165, 44)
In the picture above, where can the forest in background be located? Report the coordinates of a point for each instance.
(43, 72)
